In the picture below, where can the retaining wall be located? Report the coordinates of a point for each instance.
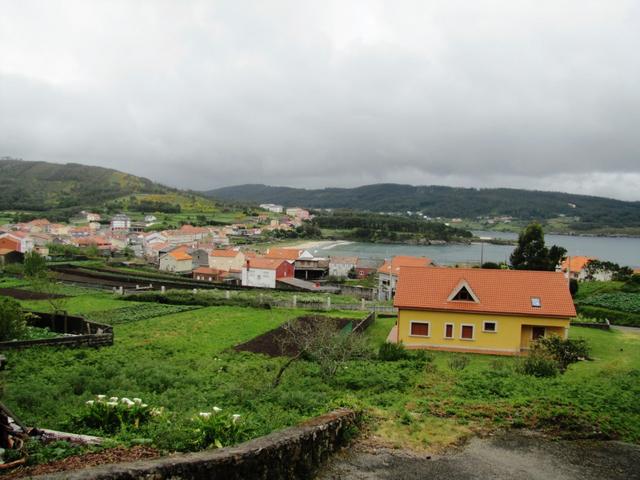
(83, 332)
(293, 453)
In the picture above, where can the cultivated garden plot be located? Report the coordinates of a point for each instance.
(183, 364)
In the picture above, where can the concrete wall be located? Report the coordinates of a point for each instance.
(293, 453)
(258, 277)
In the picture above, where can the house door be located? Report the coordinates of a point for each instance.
(537, 332)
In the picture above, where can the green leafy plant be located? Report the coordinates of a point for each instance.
(458, 362)
(216, 429)
(565, 351)
(112, 415)
(539, 363)
(391, 352)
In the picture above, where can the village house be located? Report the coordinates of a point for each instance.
(120, 222)
(10, 255)
(264, 272)
(299, 213)
(200, 257)
(576, 268)
(366, 267)
(389, 272)
(226, 260)
(207, 274)
(271, 207)
(177, 261)
(340, 267)
(497, 312)
(19, 241)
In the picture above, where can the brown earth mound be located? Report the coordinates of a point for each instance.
(28, 295)
(273, 343)
(111, 455)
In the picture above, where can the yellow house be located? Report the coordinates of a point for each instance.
(497, 312)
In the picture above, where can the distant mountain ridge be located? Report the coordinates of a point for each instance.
(448, 202)
(42, 186)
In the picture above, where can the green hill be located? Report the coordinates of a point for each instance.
(42, 186)
(581, 211)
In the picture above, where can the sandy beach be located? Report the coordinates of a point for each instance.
(319, 244)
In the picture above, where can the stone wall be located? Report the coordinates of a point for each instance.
(293, 453)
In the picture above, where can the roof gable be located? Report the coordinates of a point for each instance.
(463, 288)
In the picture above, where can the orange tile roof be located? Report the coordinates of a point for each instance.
(207, 271)
(393, 267)
(224, 253)
(577, 263)
(180, 255)
(507, 292)
(265, 263)
(284, 253)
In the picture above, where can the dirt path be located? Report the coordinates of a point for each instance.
(620, 328)
(522, 455)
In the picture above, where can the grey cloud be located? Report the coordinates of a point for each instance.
(204, 94)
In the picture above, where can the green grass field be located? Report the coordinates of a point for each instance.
(184, 363)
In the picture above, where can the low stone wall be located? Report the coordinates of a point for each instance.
(359, 292)
(95, 340)
(293, 453)
(366, 323)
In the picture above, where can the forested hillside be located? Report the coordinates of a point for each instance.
(42, 186)
(439, 201)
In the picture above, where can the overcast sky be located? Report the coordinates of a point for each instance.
(534, 94)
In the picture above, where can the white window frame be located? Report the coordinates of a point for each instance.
(453, 331)
(421, 322)
(484, 328)
(473, 337)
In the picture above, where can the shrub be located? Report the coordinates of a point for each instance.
(539, 363)
(458, 362)
(573, 287)
(422, 356)
(13, 324)
(565, 351)
(392, 352)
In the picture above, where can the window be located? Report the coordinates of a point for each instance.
(490, 327)
(448, 330)
(535, 302)
(420, 329)
(464, 295)
(466, 332)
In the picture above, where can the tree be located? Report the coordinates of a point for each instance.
(321, 341)
(531, 252)
(35, 265)
(12, 320)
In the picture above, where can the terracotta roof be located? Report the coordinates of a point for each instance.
(180, 255)
(266, 263)
(224, 253)
(507, 292)
(393, 267)
(284, 253)
(577, 263)
(192, 229)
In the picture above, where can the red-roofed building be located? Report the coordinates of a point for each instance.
(389, 273)
(576, 267)
(263, 272)
(479, 310)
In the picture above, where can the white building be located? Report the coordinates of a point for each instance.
(120, 222)
(272, 207)
(264, 272)
(341, 266)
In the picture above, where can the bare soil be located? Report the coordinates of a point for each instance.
(75, 462)
(273, 343)
(504, 456)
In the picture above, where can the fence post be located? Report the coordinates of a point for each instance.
(162, 289)
(363, 304)
(328, 302)
(195, 290)
(227, 294)
(121, 290)
(295, 301)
